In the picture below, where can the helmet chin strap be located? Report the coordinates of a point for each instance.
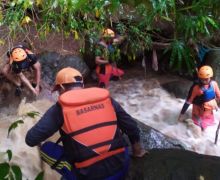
(202, 82)
(62, 86)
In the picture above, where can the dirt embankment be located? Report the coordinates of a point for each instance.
(53, 42)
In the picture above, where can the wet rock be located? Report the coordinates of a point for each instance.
(89, 54)
(52, 62)
(168, 160)
(213, 59)
(179, 88)
(152, 139)
(174, 164)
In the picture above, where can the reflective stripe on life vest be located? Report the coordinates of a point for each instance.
(93, 160)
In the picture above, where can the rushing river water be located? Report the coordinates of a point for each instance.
(144, 99)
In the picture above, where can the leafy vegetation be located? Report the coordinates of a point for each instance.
(8, 170)
(136, 19)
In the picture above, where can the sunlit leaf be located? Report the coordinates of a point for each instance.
(39, 2)
(2, 42)
(166, 18)
(32, 114)
(1, 15)
(26, 20)
(76, 35)
(97, 13)
(212, 22)
(55, 4)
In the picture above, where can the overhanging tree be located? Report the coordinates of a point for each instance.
(194, 19)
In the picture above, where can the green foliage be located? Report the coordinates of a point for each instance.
(9, 154)
(5, 168)
(180, 57)
(8, 170)
(14, 125)
(32, 114)
(194, 25)
(83, 18)
(16, 172)
(40, 176)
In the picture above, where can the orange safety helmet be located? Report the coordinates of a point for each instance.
(108, 33)
(18, 54)
(66, 76)
(205, 72)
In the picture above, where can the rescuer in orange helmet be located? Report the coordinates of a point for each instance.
(20, 59)
(203, 97)
(91, 124)
(107, 54)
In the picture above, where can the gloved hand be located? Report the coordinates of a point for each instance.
(138, 150)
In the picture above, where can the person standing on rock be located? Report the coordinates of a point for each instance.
(106, 56)
(91, 124)
(203, 97)
(20, 59)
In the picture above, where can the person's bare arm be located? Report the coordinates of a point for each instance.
(27, 83)
(118, 39)
(6, 71)
(99, 60)
(37, 69)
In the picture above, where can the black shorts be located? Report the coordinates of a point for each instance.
(18, 67)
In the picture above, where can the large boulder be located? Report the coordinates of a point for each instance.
(213, 59)
(52, 62)
(174, 164)
(178, 88)
(154, 139)
(168, 160)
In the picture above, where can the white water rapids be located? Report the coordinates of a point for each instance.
(144, 99)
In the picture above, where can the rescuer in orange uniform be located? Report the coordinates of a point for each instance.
(107, 54)
(91, 124)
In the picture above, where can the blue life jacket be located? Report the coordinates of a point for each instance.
(208, 94)
(111, 49)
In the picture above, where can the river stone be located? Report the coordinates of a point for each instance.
(179, 88)
(168, 160)
(153, 138)
(213, 59)
(52, 62)
(174, 164)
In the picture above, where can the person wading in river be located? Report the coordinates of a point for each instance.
(203, 97)
(91, 124)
